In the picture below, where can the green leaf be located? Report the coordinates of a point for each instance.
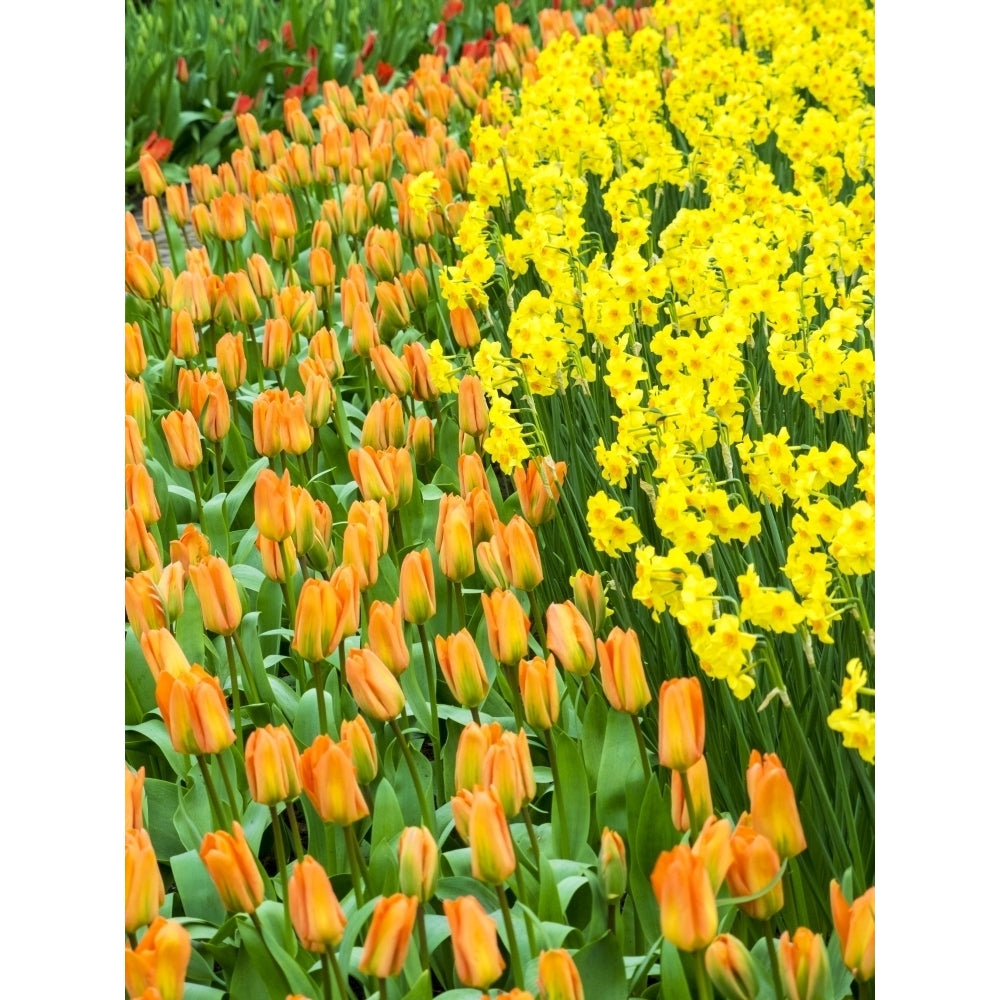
(602, 970)
(249, 636)
(155, 731)
(673, 982)
(575, 792)
(161, 804)
(421, 988)
(595, 722)
(550, 905)
(238, 493)
(190, 632)
(387, 819)
(216, 525)
(196, 889)
(651, 834)
(140, 688)
(620, 770)
(193, 816)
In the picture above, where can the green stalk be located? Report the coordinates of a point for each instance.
(213, 796)
(247, 675)
(694, 820)
(539, 621)
(643, 755)
(435, 733)
(288, 564)
(235, 802)
(293, 822)
(338, 973)
(772, 955)
(317, 668)
(700, 975)
(522, 895)
(359, 871)
(422, 938)
(196, 487)
(526, 816)
(218, 467)
(515, 955)
(235, 687)
(414, 776)
(279, 849)
(563, 829)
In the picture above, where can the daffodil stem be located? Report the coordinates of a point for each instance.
(515, 954)
(279, 850)
(435, 733)
(418, 787)
(560, 802)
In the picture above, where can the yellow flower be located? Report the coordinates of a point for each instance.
(611, 534)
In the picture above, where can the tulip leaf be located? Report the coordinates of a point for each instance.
(840, 975)
(453, 886)
(673, 981)
(550, 906)
(140, 688)
(602, 969)
(256, 970)
(161, 804)
(595, 722)
(155, 731)
(464, 993)
(422, 987)
(249, 635)
(238, 493)
(193, 816)
(199, 991)
(305, 726)
(190, 629)
(620, 770)
(383, 868)
(648, 836)
(249, 577)
(412, 681)
(387, 819)
(576, 795)
(196, 889)
(216, 526)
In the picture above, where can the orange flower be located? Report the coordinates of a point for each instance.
(195, 711)
(144, 893)
(478, 961)
(272, 763)
(233, 869)
(714, 847)
(361, 553)
(612, 866)
(159, 962)
(135, 351)
(473, 414)
(389, 936)
(731, 968)
(506, 626)
(383, 426)
(155, 149)
(144, 603)
(330, 781)
(229, 216)
(418, 862)
(681, 723)
(589, 597)
(622, 674)
(772, 804)
(183, 438)
(537, 486)
(316, 616)
(141, 550)
(140, 278)
(183, 335)
(134, 781)
(315, 910)
(525, 559)
(416, 586)
(385, 633)
(464, 327)
(755, 865)
(470, 757)
(417, 361)
(453, 539)
(701, 794)
(492, 849)
(688, 916)
(217, 415)
(462, 667)
(274, 512)
(570, 638)
(558, 976)
(373, 685)
(804, 965)
(539, 691)
(277, 343)
(383, 475)
(357, 738)
(855, 925)
(163, 653)
(216, 591)
(506, 768)
(420, 439)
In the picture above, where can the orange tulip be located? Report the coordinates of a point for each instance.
(195, 711)
(622, 673)
(418, 363)
(159, 962)
(364, 333)
(141, 550)
(418, 863)
(385, 633)
(539, 691)
(701, 794)
(688, 916)
(416, 586)
(493, 559)
(537, 484)
(134, 781)
(184, 342)
(274, 512)
(558, 976)
(453, 539)
(525, 559)
(855, 926)
(216, 591)
(473, 412)
(570, 639)
(375, 516)
(135, 450)
(755, 865)
(233, 869)
(330, 781)
(493, 860)
(357, 738)
(229, 216)
(383, 426)
(506, 626)
(277, 343)
(153, 181)
(272, 763)
(144, 892)
(462, 666)
(589, 597)
(471, 474)
(163, 653)
(804, 965)
(216, 417)
(772, 804)
(183, 439)
(316, 616)
(135, 351)
(681, 723)
(144, 603)
(506, 768)
(464, 327)
(140, 278)
(315, 910)
(731, 968)
(478, 961)
(361, 553)
(373, 685)
(612, 866)
(191, 548)
(714, 846)
(389, 936)
(470, 757)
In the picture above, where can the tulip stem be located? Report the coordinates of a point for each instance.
(218, 470)
(320, 696)
(515, 694)
(359, 870)
(279, 850)
(327, 979)
(539, 621)
(235, 688)
(435, 726)
(288, 564)
(643, 754)
(460, 601)
(772, 955)
(475, 715)
(522, 896)
(415, 777)
(293, 822)
(798, 895)
(196, 487)
(213, 796)
(700, 976)
(563, 818)
(866, 990)
(338, 973)
(694, 820)
(247, 675)
(425, 962)
(235, 802)
(515, 955)
(526, 816)
(383, 989)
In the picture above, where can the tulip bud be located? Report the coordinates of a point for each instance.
(570, 639)
(701, 795)
(681, 723)
(229, 216)
(493, 559)
(153, 181)
(216, 591)
(233, 869)
(178, 206)
(622, 674)
(418, 863)
(140, 278)
(135, 450)
(688, 916)
(389, 936)
(416, 586)
(315, 911)
(194, 710)
(316, 617)
(714, 847)
(484, 519)
(453, 539)
(537, 486)
(190, 549)
(230, 360)
(133, 798)
(137, 403)
(855, 926)
(506, 626)
(330, 782)
(755, 865)
(151, 217)
(141, 550)
(558, 976)
(464, 327)
(612, 866)
(506, 768)
(216, 416)
(383, 426)
(478, 961)
(418, 364)
(589, 597)
(463, 669)
(525, 559)
(135, 351)
(183, 439)
(773, 811)
(163, 653)
(471, 474)
(144, 892)
(385, 632)
(272, 763)
(492, 849)
(158, 964)
(274, 512)
(140, 493)
(473, 413)
(373, 685)
(804, 965)
(731, 968)
(144, 603)
(323, 347)
(539, 691)
(357, 738)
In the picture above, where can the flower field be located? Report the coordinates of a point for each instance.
(499, 513)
